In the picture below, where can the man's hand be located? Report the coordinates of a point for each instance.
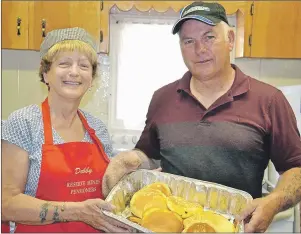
(120, 165)
(259, 214)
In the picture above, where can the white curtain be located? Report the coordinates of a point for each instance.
(144, 57)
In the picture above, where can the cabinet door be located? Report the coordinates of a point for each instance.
(242, 11)
(63, 14)
(105, 7)
(12, 12)
(53, 14)
(276, 31)
(86, 14)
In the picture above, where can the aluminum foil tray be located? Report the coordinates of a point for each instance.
(221, 199)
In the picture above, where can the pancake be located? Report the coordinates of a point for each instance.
(158, 220)
(160, 186)
(199, 227)
(182, 207)
(218, 222)
(146, 199)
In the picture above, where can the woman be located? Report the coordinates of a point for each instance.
(54, 155)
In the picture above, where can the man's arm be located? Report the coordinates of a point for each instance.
(285, 153)
(146, 162)
(288, 189)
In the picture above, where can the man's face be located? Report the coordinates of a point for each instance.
(205, 49)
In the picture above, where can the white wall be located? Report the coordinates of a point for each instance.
(21, 85)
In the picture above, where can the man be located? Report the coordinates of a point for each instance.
(218, 124)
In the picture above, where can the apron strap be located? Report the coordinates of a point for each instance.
(48, 128)
(47, 122)
(92, 134)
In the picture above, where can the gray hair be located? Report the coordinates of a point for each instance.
(226, 29)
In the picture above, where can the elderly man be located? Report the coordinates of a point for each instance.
(218, 124)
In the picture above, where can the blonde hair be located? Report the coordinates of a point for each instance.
(68, 45)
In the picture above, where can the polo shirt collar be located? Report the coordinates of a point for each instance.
(240, 85)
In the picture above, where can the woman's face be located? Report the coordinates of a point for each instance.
(70, 75)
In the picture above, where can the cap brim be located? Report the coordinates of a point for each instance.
(207, 20)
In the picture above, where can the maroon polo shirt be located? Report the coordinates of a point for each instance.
(229, 143)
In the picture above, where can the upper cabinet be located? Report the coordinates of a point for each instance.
(44, 16)
(48, 15)
(276, 31)
(267, 29)
(15, 24)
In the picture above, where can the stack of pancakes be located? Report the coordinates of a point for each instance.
(155, 208)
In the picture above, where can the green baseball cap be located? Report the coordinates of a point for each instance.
(206, 12)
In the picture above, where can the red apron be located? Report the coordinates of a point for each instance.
(69, 172)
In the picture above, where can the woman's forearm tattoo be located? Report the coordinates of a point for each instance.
(56, 216)
(44, 212)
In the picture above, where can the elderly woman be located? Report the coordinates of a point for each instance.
(54, 155)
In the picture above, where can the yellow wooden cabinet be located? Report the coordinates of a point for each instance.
(48, 15)
(276, 31)
(14, 24)
(271, 30)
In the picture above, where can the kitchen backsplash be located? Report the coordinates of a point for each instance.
(21, 85)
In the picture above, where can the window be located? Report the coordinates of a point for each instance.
(144, 56)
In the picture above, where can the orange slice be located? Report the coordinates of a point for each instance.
(159, 186)
(158, 220)
(182, 207)
(146, 199)
(199, 227)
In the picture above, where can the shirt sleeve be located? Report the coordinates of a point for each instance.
(285, 147)
(149, 142)
(16, 130)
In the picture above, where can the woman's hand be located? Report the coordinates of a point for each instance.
(91, 214)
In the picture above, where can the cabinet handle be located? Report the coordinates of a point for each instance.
(43, 28)
(250, 40)
(101, 36)
(101, 5)
(19, 20)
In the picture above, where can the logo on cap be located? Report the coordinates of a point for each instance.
(196, 8)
